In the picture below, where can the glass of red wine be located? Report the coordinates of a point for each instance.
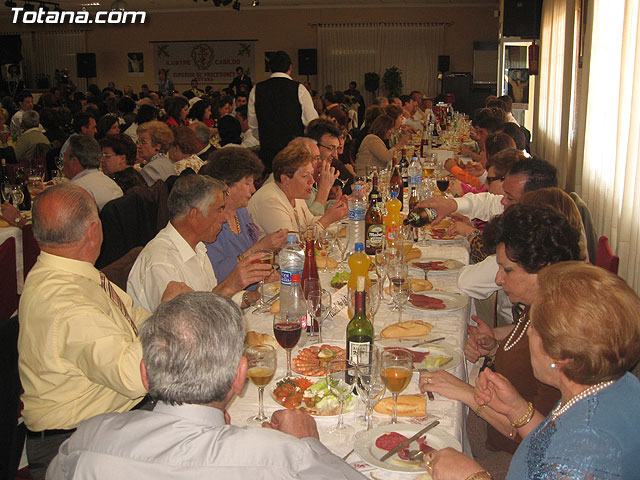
(442, 182)
(287, 329)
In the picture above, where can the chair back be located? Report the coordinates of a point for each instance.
(606, 259)
(30, 249)
(118, 271)
(8, 279)
(589, 228)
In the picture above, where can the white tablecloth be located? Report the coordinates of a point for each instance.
(450, 325)
(15, 232)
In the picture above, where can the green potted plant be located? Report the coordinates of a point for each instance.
(392, 81)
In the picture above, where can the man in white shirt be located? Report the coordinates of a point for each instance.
(279, 109)
(81, 162)
(178, 253)
(193, 366)
(25, 102)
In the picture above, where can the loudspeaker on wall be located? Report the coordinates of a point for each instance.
(307, 61)
(443, 63)
(86, 65)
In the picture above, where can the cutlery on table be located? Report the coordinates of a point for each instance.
(409, 440)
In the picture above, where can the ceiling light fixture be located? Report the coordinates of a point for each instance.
(236, 5)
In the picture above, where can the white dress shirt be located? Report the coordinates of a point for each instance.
(183, 442)
(304, 97)
(100, 187)
(483, 206)
(165, 258)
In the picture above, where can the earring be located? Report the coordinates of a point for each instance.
(552, 365)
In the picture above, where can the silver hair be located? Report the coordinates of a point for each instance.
(191, 348)
(193, 191)
(30, 119)
(86, 149)
(201, 131)
(69, 221)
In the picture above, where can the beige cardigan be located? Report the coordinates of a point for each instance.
(373, 151)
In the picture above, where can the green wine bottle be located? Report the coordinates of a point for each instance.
(359, 330)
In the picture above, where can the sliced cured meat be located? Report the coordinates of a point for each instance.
(431, 265)
(390, 440)
(427, 302)
(424, 446)
(417, 357)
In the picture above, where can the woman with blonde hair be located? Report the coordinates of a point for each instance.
(155, 139)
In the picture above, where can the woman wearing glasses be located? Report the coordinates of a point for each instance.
(373, 150)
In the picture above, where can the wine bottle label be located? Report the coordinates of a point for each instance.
(287, 278)
(375, 235)
(359, 352)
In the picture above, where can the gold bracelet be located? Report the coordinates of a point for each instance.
(479, 409)
(481, 475)
(525, 418)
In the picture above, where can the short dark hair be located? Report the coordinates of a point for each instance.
(239, 69)
(534, 236)
(516, 132)
(121, 144)
(507, 101)
(405, 99)
(381, 126)
(197, 109)
(497, 142)
(331, 97)
(539, 173)
(230, 130)
(279, 61)
(319, 127)
(126, 105)
(393, 111)
(22, 95)
(49, 118)
(242, 93)
(146, 113)
(175, 105)
(81, 119)
(488, 118)
(232, 164)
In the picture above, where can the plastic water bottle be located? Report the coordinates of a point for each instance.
(291, 260)
(415, 171)
(357, 211)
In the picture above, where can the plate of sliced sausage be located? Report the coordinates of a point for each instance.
(437, 301)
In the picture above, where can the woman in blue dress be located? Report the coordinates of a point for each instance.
(584, 337)
(240, 236)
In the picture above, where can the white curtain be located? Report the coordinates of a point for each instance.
(609, 159)
(43, 53)
(552, 122)
(349, 51)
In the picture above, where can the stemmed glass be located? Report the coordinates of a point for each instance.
(17, 195)
(341, 379)
(318, 306)
(341, 243)
(400, 294)
(6, 191)
(442, 182)
(370, 386)
(398, 274)
(60, 162)
(267, 258)
(287, 329)
(261, 360)
(325, 242)
(396, 371)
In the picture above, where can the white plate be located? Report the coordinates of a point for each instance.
(458, 238)
(438, 349)
(457, 268)
(452, 302)
(349, 405)
(365, 446)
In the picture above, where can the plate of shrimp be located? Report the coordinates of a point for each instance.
(312, 361)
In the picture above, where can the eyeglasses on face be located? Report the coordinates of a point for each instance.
(493, 179)
(331, 148)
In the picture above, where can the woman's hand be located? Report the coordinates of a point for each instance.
(450, 163)
(455, 187)
(335, 212)
(449, 464)
(461, 225)
(474, 168)
(481, 341)
(402, 141)
(447, 385)
(495, 391)
(273, 241)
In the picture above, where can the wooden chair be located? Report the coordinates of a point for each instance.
(118, 271)
(30, 249)
(8, 279)
(605, 258)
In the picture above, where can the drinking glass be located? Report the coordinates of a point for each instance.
(313, 296)
(325, 242)
(261, 361)
(34, 183)
(6, 192)
(341, 379)
(60, 162)
(56, 176)
(17, 195)
(442, 182)
(341, 242)
(396, 371)
(325, 308)
(400, 293)
(370, 386)
(287, 329)
(267, 258)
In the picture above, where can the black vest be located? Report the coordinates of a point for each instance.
(279, 112)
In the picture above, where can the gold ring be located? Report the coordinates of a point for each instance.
(427, 465)
(428, 380)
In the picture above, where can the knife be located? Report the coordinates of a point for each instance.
(427, 341)
(267, 303)
(409, 440)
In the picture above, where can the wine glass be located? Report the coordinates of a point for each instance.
(400, 294)
(261, 361)
(370, 386)
(17, 195)
(6, 191)
(60, 162)
(325, 242)
(287, 329)
(313, 296)
(341, 242)
(443, 182)
(341, 379)
(267, 258)
(325, 308)
(398, 273)
(396, 371)
(56, 176)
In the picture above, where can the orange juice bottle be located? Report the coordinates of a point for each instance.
(359, 265)
(392, 222)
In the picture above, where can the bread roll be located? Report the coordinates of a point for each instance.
(413, 254)
(322, 261)
(420, 285)
(411, 328)
(275, 307)
(408, 406)
(3, 223)
(255, 338)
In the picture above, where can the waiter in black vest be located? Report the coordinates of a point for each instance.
(279, 109)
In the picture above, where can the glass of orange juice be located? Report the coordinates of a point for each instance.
(396, 372)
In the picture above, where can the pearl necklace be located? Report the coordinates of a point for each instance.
(559, 410)
(507, 345)
(237, 224)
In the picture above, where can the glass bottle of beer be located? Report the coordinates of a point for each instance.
(413, 198)
(420, 217)
(359, 330)
(374, 229)
(404, 166)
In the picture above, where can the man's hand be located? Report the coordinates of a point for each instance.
(174, 289)
(444, 206)
(245, 273)
(450, 163)
(328, 175)
(293, 422)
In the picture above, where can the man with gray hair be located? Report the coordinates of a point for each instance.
(31, 137)
(79, 354)
(193, 366)
(203, 136)
(178, 253)
(81, 162)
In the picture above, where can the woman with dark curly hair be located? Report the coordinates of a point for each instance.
(177, 111)
(238, 168)
(107, 125)
(118, 156)
(201, 112)
(526, 238)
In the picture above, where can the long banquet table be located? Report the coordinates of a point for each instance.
(451, 325)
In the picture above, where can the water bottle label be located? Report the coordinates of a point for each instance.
(287, 278)
(356, 215)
